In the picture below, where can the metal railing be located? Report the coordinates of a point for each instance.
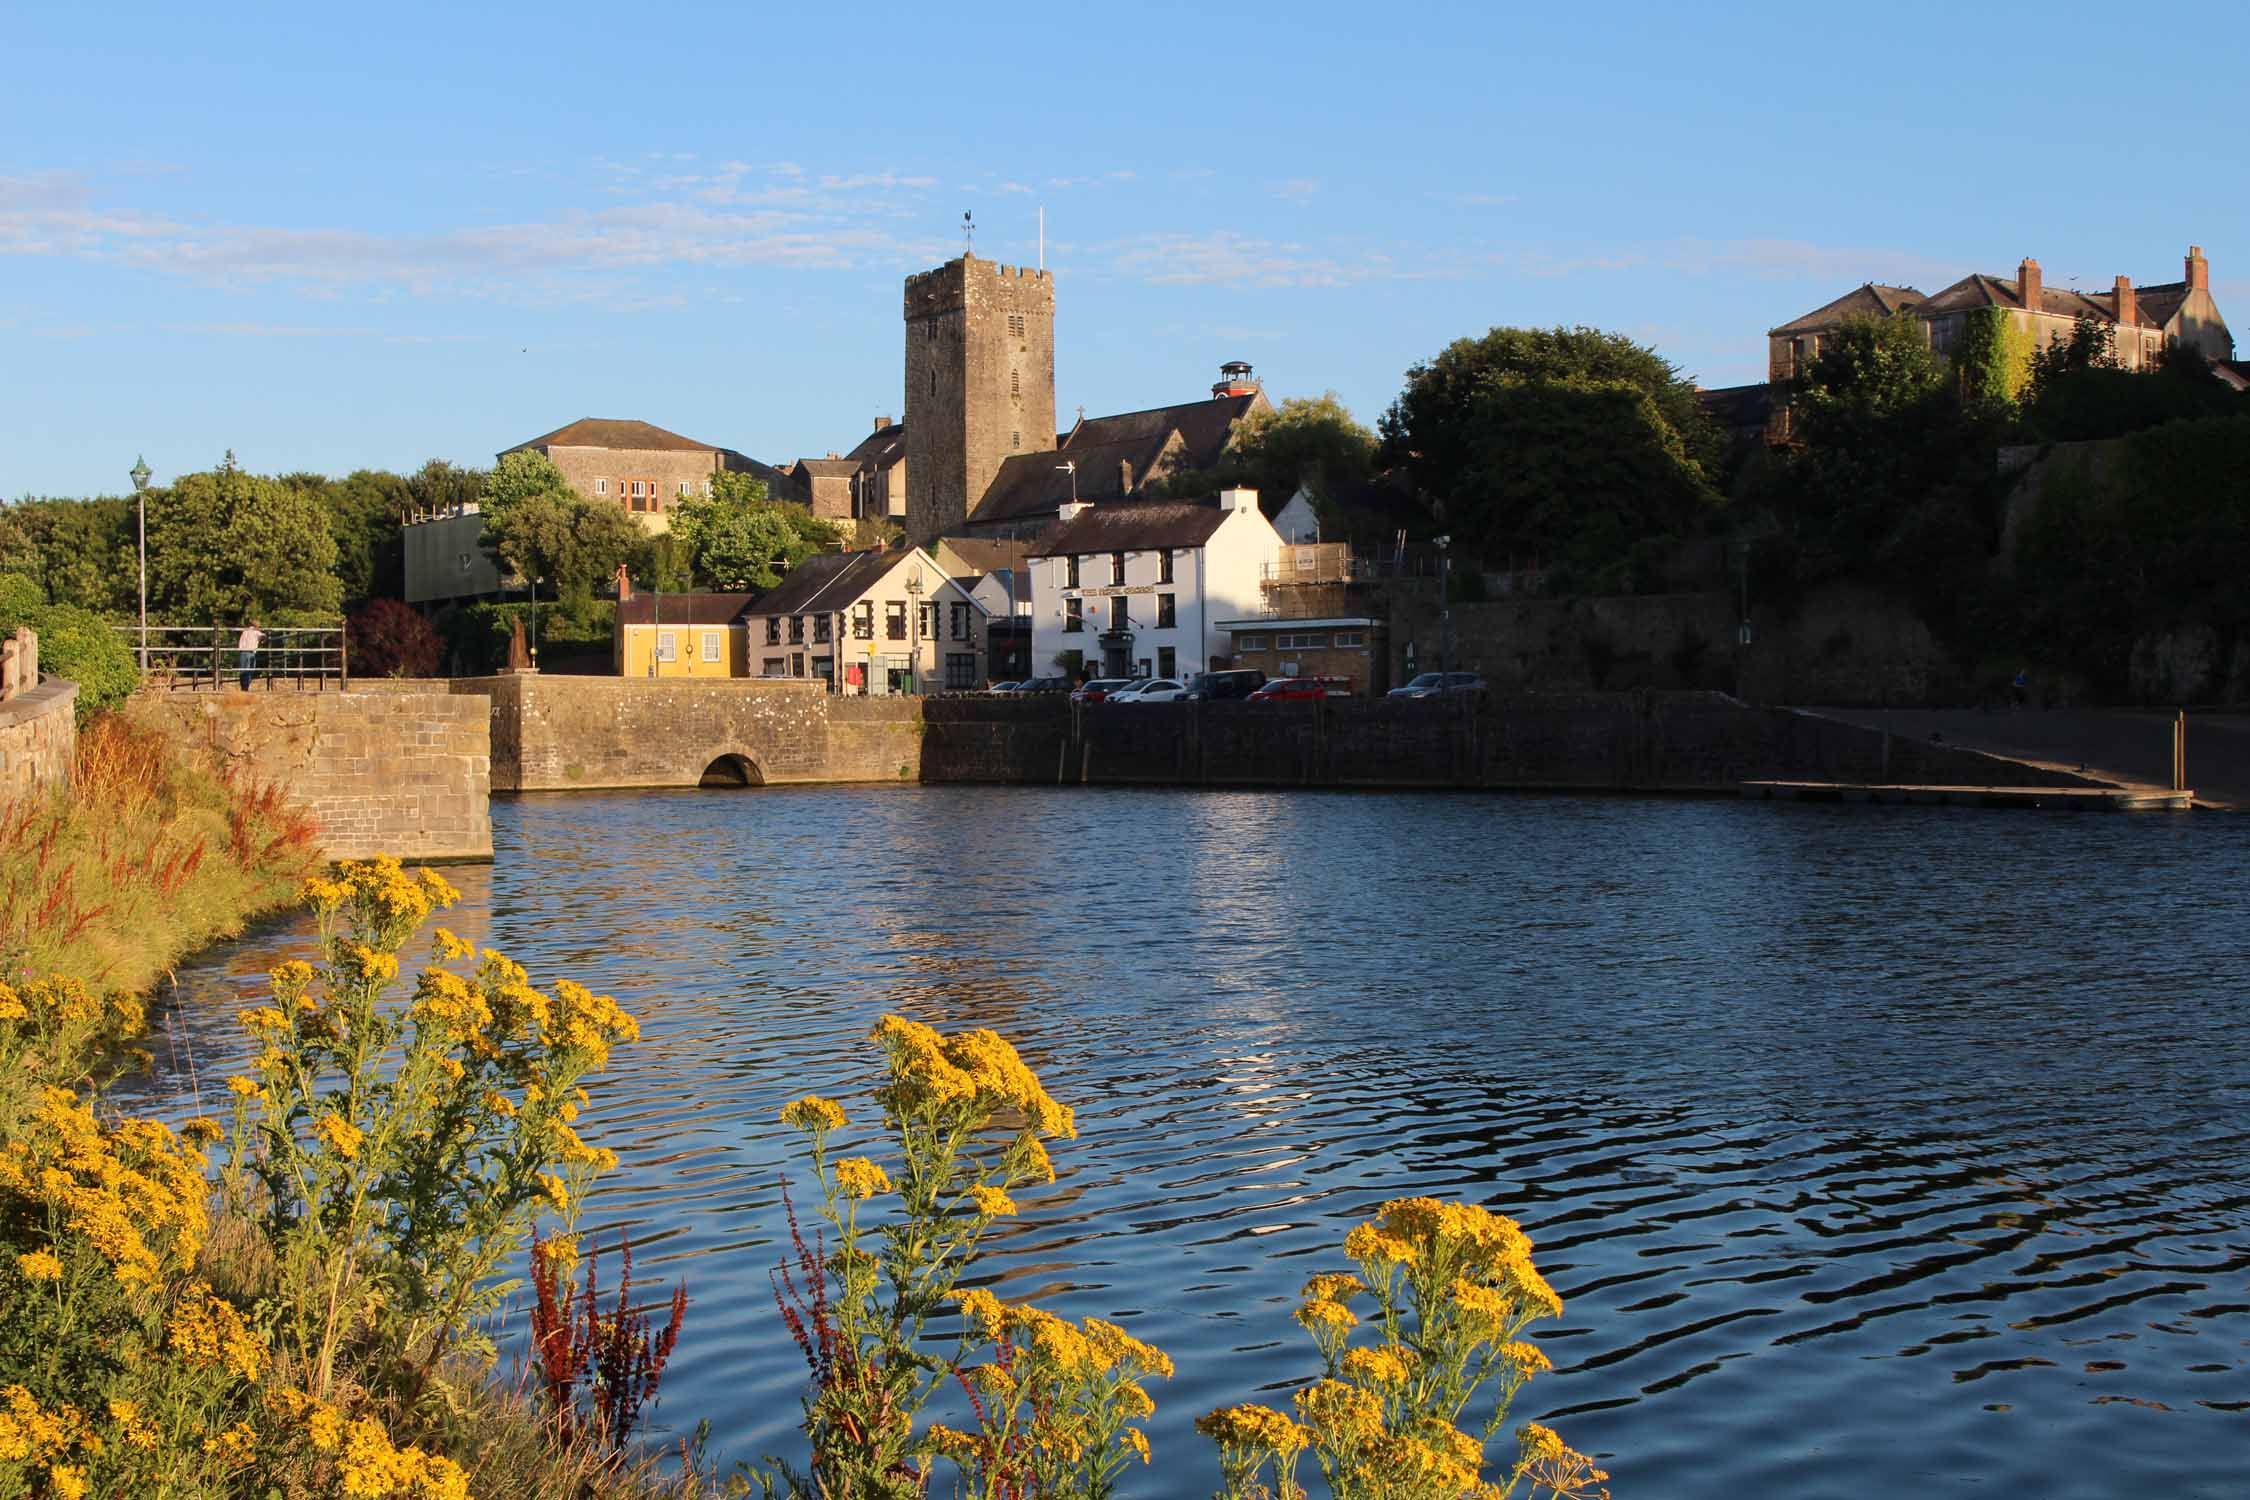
(305, 658)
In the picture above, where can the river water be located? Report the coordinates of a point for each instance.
(1873, 1151)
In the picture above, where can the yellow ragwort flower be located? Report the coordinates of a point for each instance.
(813, 1113)
(991, 1202)
(1333, 1286)
(339, 1135)
(450, 948)
(1320, 1314)
(556, 1191)
(245, 1088)
(1253, 1428)
(858, 1177)
(1376, 1367)
(40, 1265)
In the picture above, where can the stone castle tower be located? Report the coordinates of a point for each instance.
(980, 383)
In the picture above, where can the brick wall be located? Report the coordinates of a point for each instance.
(1641, 741)
(38, 737)
(400, 773)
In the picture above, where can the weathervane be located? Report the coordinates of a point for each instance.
(968, 232)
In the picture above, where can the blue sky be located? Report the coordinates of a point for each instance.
(334, 237)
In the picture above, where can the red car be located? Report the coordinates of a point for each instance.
(1302, 689)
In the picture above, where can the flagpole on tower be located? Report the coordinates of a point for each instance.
(1042, 236)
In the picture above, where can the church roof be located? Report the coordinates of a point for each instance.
(1030, 484)
(1204, 427)
(616, 432)
(1871, 300)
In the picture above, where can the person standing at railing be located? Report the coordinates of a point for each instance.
(246, 651)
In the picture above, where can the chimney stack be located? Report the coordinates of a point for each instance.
(2028, 284)
(1238, 498)
(2198, 270)
(624, 584)
(881, 423)
(2128, 306)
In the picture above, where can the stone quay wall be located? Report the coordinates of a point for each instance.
(1639, 742)
(38, 738)
(558, 733)
(395, 772)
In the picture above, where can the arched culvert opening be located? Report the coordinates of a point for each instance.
(732, 770)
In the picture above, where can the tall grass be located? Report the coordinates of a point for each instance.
(149, 853)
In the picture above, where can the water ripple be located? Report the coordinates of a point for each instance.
(1870, 1153)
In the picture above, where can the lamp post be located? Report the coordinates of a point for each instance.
(914, 631)
(139, 474)
(1445, 608)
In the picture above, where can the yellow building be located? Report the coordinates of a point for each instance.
(682, 635)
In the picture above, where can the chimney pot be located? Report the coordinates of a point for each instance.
(2198, 270)
(2029, 284)
(1238, 498)
(881, 423)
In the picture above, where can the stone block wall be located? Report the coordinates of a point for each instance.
(1643, 741)
(400, 773)
(553, 733)
(38, 738)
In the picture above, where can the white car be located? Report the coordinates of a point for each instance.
(1153, 690)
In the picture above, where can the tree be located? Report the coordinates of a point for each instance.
(1313, 441)
(391, 639)
(364, 508)
(226, 544)
(737, 540)
(539, 528)
(80, 551)
(1570, 442)
(439, 487)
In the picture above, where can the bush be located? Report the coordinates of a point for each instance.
(391, 639)
(73, 643)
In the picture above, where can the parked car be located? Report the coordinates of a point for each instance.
(1044, 685)
(1439, 684)
(1002, 687)
(1098, 689)
(1302, 689)
(1150, 690)
(1213, 686)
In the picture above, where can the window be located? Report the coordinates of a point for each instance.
(1117, 567)
(773, 666)
(773, 630)
(931, 325)
(796, 630)
(960, 670)
(894, 619)
(1015, 325)
(1167, 613)
(1071, 568)
(1300, 642)
(1167, 661)
(1015, 442)
(796, 663)
(1164, 565)
(710, 645)
(960, 622)
(667, 645)
(1247, 643)
(1015, 384)
(1074, 615)
(863, 621)
(601, 486)
(1117, 616)
(683, 488)
(1350, 638)
(820, 631)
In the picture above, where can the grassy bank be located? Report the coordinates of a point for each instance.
(144, 858)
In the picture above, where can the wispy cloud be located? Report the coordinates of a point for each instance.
(252, 330)
(1297, 187)
(1227, 257)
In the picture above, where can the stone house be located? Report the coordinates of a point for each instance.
(638, 466)
(2142, 321)
(824, 486)
(879, 473)
(870, 622)
(1137, 588)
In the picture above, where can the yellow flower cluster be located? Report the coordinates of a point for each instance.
(380, 891)
(339, 1135)
(131, 1426)
(133, 1191)
(52, 1004)
(859, 1178)
(1318, 1315)
(448, 1006)
(1253, 1428)
(813, 1113)
(204, 1329)
(32, 1433)
(368, 1465)
(1376, 1367)
(449, 948)
(590, 1023)
(991, 1202)
(39, 1265)
(974, 1070)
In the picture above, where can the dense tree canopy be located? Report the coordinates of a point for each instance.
(1567, 443)
(1313, 441)
(736, 540)
(541, 529)
(226, 545)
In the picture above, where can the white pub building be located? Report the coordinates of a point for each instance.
(1137, 588)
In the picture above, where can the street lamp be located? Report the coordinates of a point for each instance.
(914, 631)
(1445, 608)
(139, 474)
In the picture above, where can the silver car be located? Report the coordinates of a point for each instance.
(1439, 685)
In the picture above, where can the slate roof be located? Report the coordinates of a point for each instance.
(1132, 526)
(615, 432)
(827, 581)
(1737, 406)
(983, 555)
(883, 447)
(1204, 426)
(1980, 290)
(646, 608)
(826, 468)
(1030, 484)
(2159, 303)
(1870, 300)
